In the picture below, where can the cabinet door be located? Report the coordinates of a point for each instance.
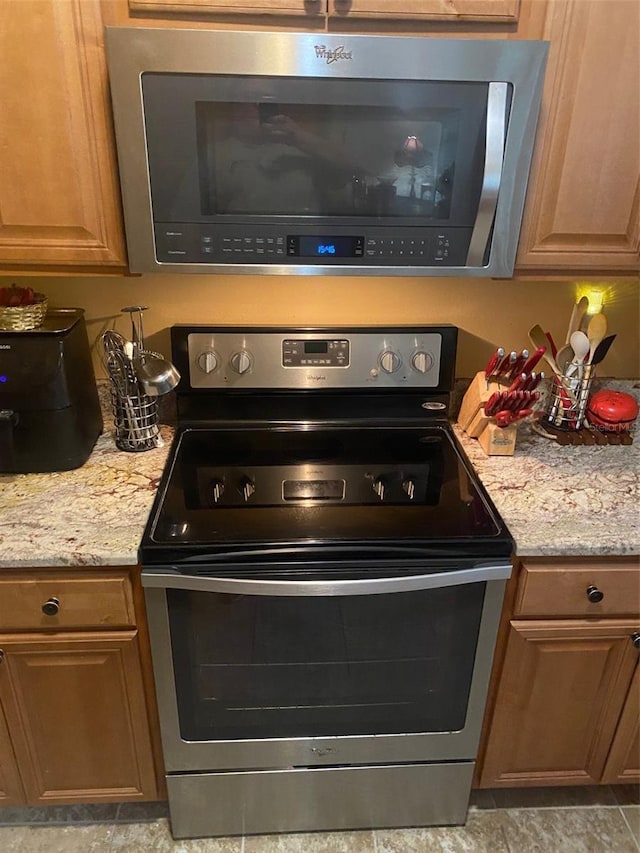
(11, 792)
(623, 764)
(584, 190)
(558, 701)
(76, 711)
(487, 11)
(310, 8)
(59, 193)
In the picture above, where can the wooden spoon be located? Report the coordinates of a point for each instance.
(579, 310)
(539, 339)
(564, 356)
(580, 345)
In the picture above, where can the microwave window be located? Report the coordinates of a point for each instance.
(264, 158)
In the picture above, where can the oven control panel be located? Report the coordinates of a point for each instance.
(399, 357)
(315, 352)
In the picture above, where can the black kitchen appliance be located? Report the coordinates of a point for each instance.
(50, 416)
(324, 576)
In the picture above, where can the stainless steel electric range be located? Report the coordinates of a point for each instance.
(323, 576)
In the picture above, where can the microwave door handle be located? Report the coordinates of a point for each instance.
(493, 161)
(167, 578)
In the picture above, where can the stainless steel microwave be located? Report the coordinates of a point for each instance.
(308, 153)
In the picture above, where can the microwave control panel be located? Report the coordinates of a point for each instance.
(273, 244)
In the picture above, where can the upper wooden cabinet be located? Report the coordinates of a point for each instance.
(309, 8)
(482, 11)
(584, 191)
(59, 192)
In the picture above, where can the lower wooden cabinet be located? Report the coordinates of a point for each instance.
(567, 701)
(11, 790)
(75, 718)
(623, 764)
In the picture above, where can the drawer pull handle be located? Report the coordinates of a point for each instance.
(635, 639)
(1, 655)
(51, 607)
(594, 594)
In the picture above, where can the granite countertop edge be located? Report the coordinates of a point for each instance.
(556, 501)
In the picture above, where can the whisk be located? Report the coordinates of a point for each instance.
(135, 413)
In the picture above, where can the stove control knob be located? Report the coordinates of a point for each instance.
(390, 361)
(240, 362)
(410, 488)
(217, 489)
(208, 361)
(247, 487)
(379, 486)
(421, 361)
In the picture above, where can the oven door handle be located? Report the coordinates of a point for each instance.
(169, 578)
(492, 178)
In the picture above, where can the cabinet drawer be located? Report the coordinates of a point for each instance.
(78, 600)
(548, 589)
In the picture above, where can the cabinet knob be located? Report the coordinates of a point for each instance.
(51, 607)
(635, 639)
(594, 594)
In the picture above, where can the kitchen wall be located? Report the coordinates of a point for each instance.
(487, 312)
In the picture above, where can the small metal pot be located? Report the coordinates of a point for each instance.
(155, 374)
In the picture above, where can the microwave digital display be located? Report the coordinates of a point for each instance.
(307, 246)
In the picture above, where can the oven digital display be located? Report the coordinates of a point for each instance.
(311, 347)
(315, 352)
(313, 490)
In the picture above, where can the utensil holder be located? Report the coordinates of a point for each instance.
(136, 422)
(567, 401)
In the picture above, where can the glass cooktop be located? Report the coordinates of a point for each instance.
(319, 493)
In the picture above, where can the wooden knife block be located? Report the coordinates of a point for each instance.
(471, 418)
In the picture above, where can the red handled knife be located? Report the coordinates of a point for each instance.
(493, 362)
(535, 358)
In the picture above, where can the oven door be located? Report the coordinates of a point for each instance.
(264, 673)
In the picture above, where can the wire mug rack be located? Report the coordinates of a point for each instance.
(135, 414)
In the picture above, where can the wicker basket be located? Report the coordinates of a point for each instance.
(21, 318)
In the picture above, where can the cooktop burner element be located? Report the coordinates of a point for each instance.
(286, 453)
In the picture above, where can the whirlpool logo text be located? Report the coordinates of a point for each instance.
(332, 55)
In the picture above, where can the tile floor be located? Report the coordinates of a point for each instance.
(545, 820)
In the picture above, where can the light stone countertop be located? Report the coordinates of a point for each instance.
(92, 516)
(562, 501)
(565, 501)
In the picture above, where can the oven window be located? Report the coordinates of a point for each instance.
(262, 666)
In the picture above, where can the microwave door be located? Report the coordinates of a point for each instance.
(493, 162)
